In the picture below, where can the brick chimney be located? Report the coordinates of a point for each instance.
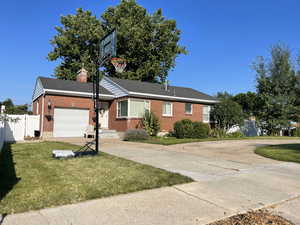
(82, 76)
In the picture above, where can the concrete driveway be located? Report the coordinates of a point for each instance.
(203, 160)
(229, 177)
(228, 173)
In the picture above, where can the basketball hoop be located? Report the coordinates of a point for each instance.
(119, 64)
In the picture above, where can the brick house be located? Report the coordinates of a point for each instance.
(66, 107)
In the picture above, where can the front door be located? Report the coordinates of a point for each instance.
(103, 115)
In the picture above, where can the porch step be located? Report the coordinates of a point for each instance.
(108, 134)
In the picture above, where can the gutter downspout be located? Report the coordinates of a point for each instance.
(42, 119)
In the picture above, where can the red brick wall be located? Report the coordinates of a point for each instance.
(114, 122)
(178, 113)
(156, 107)
(65, 102)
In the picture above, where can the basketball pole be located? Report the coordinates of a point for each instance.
(97, 99)
(108, 46)
(97, 109)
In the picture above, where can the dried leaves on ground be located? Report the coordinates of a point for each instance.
(260, 217)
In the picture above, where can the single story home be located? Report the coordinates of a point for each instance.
(66, 107)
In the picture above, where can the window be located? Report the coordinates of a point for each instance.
(37, 107)
(132, 108)
(138, 107)
(167, 109)
(206, 112)
(122, 108)
(188, 108)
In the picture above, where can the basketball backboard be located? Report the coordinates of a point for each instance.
(108, 45)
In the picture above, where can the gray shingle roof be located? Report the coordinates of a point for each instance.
(69, 85)
(158, 89)
(129, 85)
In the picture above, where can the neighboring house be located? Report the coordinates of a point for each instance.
(66, 107)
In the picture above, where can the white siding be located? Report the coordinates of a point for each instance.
(38, 89)
(113, 87)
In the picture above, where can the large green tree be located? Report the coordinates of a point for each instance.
(148, 42)
(223, 95)
(76, 44)
(11, 108)
(226, 114)
(276, 90)
(248, 101)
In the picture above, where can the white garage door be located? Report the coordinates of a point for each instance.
(70, 122)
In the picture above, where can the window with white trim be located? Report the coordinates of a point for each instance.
(138, 107)
(37, 108)
(167, 109)
(206, 113)
(188, 108)
(122, 109)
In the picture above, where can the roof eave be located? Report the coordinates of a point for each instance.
(79, 94)
(139, 94)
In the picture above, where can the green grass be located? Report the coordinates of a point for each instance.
(31, 179)
(284, 152)
(174, 141)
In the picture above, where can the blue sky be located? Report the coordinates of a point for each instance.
(223, 39)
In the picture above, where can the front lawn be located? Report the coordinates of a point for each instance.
(284, 152)
(31, 179)
(174, 141)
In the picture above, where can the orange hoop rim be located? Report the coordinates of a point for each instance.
(115, 59)
(119, 64)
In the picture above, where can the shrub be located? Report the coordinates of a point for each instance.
(221, 133)
(151, 123)
(188, 129)
(218, 133)
(183, 128)
(296, 132)
(236, 134)
(135, 135)
(178, 130)
(200, 130)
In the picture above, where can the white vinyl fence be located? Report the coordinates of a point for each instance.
(2, 133)
(20, 127)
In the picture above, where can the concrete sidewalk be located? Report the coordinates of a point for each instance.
(194, 203)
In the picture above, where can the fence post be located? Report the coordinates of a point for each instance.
(25, 126)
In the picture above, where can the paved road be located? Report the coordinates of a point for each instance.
(229, 177)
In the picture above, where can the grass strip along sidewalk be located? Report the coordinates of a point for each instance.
(174, 141)
(31, 179)
(284, 152)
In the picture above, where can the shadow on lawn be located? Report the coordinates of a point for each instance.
(8, 177)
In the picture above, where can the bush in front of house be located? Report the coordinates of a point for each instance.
(183, 128)
(151, 123)
(188, 129)
(218, 133)
(135, 135)
(200, 130)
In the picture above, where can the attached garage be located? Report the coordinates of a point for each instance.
(70, 122)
